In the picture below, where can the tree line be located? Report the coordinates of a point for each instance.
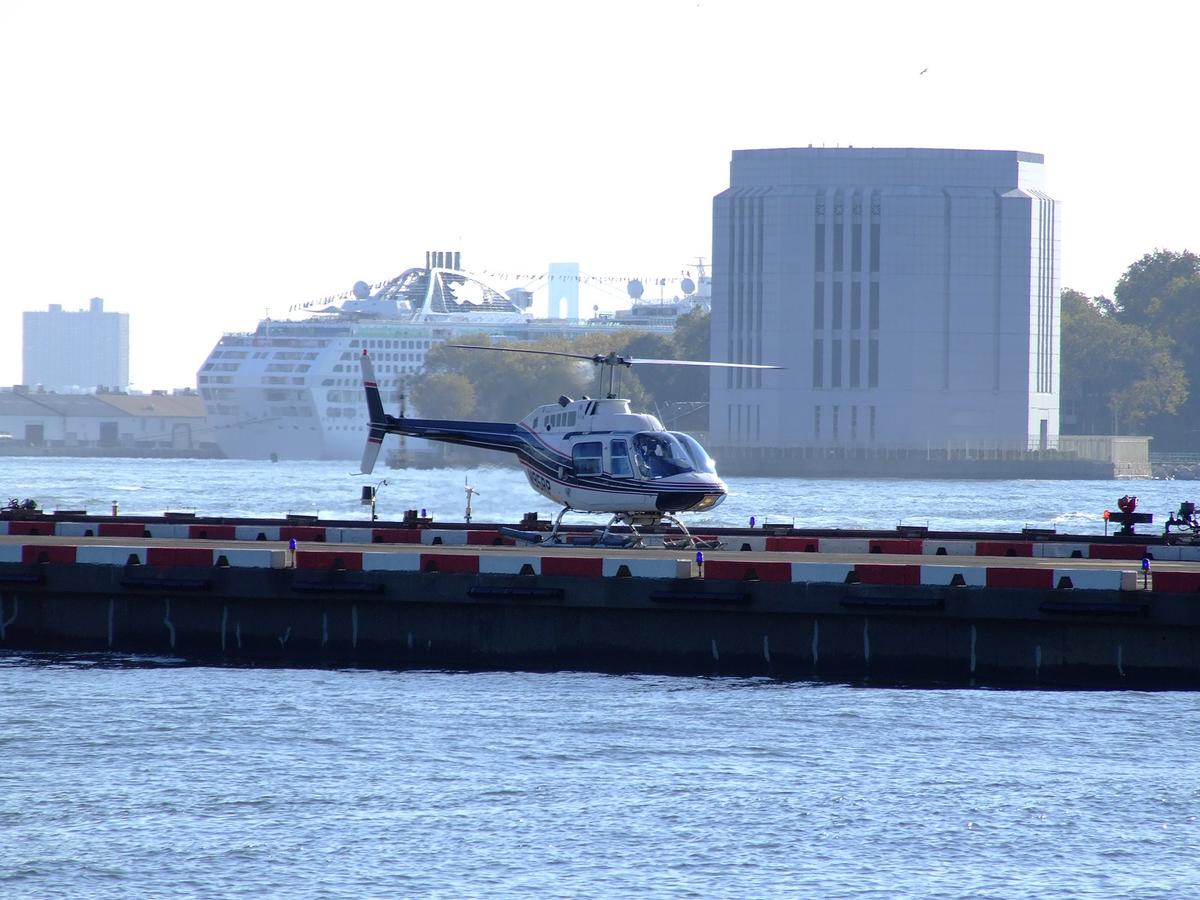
(1128, 362)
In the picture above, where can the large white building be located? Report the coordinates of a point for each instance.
(76, 351)
(912, 295)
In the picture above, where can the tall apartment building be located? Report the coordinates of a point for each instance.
(76, 351)
(912, 294)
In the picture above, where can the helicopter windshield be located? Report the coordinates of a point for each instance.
(660, 455)
(701, 461)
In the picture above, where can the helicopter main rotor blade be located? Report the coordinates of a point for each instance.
(697, 362)
(613, 359)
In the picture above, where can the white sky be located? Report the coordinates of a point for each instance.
(195, 163)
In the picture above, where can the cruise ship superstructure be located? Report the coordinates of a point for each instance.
(292, 389)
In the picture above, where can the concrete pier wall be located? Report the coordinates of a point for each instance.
(859, 632)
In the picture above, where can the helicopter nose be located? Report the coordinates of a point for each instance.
(705, 494)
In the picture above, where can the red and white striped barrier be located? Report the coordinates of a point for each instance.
(559, 564)
(114, 555)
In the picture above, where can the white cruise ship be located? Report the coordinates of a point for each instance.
(292, 389)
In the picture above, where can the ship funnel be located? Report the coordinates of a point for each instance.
(458, 259)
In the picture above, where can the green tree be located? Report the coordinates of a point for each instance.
(1161, 292)
(1160, 288)
(444, 395)
(1116, 376)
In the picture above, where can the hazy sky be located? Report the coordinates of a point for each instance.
(196, 163)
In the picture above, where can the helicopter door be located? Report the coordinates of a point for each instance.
(588, 457)
(618, 458)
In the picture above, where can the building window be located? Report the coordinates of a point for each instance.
(856, 247)
(874, 246)
(856, 305)
(819, 247)
(871, 424)
(873, 363)
(817, 422)
(873, 307)
(838, 241)
(835, 379)
(855, 362)
(818, 363)
(854, 423)
(818, 306)
(835, 422)
(837, 306)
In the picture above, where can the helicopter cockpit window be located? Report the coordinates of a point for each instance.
(660, 455)
(699, 456)
(618, 457)
(588, 457)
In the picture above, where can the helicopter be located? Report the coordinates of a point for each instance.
(589, 455)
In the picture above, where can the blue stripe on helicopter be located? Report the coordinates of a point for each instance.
(534, 454)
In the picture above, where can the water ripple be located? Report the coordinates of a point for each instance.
(124, 780)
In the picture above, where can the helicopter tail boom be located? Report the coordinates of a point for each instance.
(488, 435)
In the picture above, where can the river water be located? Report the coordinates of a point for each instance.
(251, 487)
(146, 777)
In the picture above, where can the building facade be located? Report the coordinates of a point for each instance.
(911, 294)
(115, 424)
(76, 351)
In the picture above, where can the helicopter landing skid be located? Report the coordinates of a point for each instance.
(635, 540)
(688, 541)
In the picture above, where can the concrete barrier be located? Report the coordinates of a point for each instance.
(109, 555)
(400, 561)
(256, 532)
(1022, 549)
(819, 572)
(739, 570)
(872, 573)
(1096, 579)
(212, 532)
(843, 545)
(395, 535)
(954, 576)
(329, 560)
(1060, 550)
(250, 558)
(350, 535)
(618, 567)
(510, 564)
(447, 536)
(33, 528)
(1117, 551)
(1020, 578)
(180, 556)
(577, 566)
(54, 554)
(948, 548)
(172, 530)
